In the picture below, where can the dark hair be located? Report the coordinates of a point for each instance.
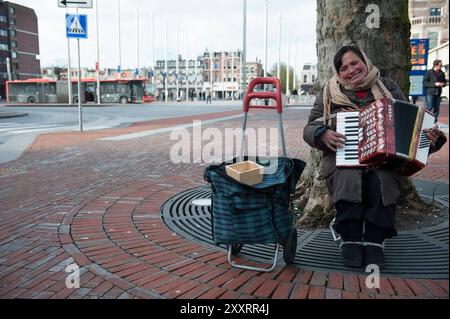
(337, 61)
(436, 62)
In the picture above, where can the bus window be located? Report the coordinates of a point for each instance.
(52, 88)
(122, 88)
(108, 88)
(30, 89)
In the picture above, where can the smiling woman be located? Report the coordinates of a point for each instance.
(365, 197)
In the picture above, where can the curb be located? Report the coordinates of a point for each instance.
(11, 115)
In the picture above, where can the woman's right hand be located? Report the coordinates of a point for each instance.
(333, 140)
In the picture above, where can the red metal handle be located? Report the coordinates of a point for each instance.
(263, 95)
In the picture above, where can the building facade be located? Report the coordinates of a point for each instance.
(429, 20)
(222, 73)
(187, 82)
(19, 44)
(308, 77)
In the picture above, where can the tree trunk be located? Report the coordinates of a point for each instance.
(382, 30)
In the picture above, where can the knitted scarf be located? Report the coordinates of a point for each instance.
(333, 93)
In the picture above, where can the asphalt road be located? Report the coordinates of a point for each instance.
(17, 133)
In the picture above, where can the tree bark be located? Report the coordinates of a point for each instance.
(386, 44)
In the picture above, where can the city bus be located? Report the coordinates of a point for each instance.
(51, 91)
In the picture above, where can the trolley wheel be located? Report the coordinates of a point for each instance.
(236, 249)
(290, 248)
(31, 100)
(75, 100)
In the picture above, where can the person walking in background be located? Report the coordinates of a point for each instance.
(433, 82)
(208, 97)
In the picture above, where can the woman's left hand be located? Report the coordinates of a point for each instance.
(433, 135)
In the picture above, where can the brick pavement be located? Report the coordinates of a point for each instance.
(72, 198)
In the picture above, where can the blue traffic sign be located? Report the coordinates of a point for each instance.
(76, 26)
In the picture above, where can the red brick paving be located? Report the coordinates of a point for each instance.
(97, 203)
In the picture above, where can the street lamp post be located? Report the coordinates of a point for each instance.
(120, 38)
(177, 65)
(99, 101)
(153, 51)
(166, 80)
(295, 65)
(137, 40)
(265, 38)
(232, 76)
(288, 64)
(279, 49)
(244, 51)
(69, 71)
(187, 67)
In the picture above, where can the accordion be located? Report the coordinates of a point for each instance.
(387, 134)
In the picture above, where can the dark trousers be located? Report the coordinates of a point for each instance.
(434, 104)
(368, 221)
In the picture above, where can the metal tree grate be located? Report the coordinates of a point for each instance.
(413, 254)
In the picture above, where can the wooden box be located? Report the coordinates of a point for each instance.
(248, 172)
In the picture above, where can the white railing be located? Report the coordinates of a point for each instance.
(432, 20)
(302, 100)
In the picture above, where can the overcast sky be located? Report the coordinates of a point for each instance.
(216, 24)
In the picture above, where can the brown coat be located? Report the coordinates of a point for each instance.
(346, 183)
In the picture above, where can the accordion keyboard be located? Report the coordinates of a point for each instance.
(348, 125)
(424, 142)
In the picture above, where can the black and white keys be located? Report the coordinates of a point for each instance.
(347, 123)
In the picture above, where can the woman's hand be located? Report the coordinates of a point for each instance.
(433, 135)
(333, 140)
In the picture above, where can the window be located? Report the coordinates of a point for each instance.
(314, 78)
(12, 21)
(12, 11)
(435, 12)
(13, 33)
(14, 55)
(433, 36)
(305, 78)
(2, 18)
(3, 33)
(13, 44)
(4, 47)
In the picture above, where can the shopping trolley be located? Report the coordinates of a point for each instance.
(258, 214)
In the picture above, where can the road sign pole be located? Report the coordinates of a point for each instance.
(80, 107)
(99, 100)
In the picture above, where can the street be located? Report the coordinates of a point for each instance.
(17, 133)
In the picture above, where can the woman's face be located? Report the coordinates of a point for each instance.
(353, 70)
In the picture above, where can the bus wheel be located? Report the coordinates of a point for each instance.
(31, 100)
(123, 100)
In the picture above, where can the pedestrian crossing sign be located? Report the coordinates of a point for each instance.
(76, 26)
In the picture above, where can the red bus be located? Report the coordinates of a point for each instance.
(51, 91)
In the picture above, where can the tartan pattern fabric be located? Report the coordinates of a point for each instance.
(258, 214)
